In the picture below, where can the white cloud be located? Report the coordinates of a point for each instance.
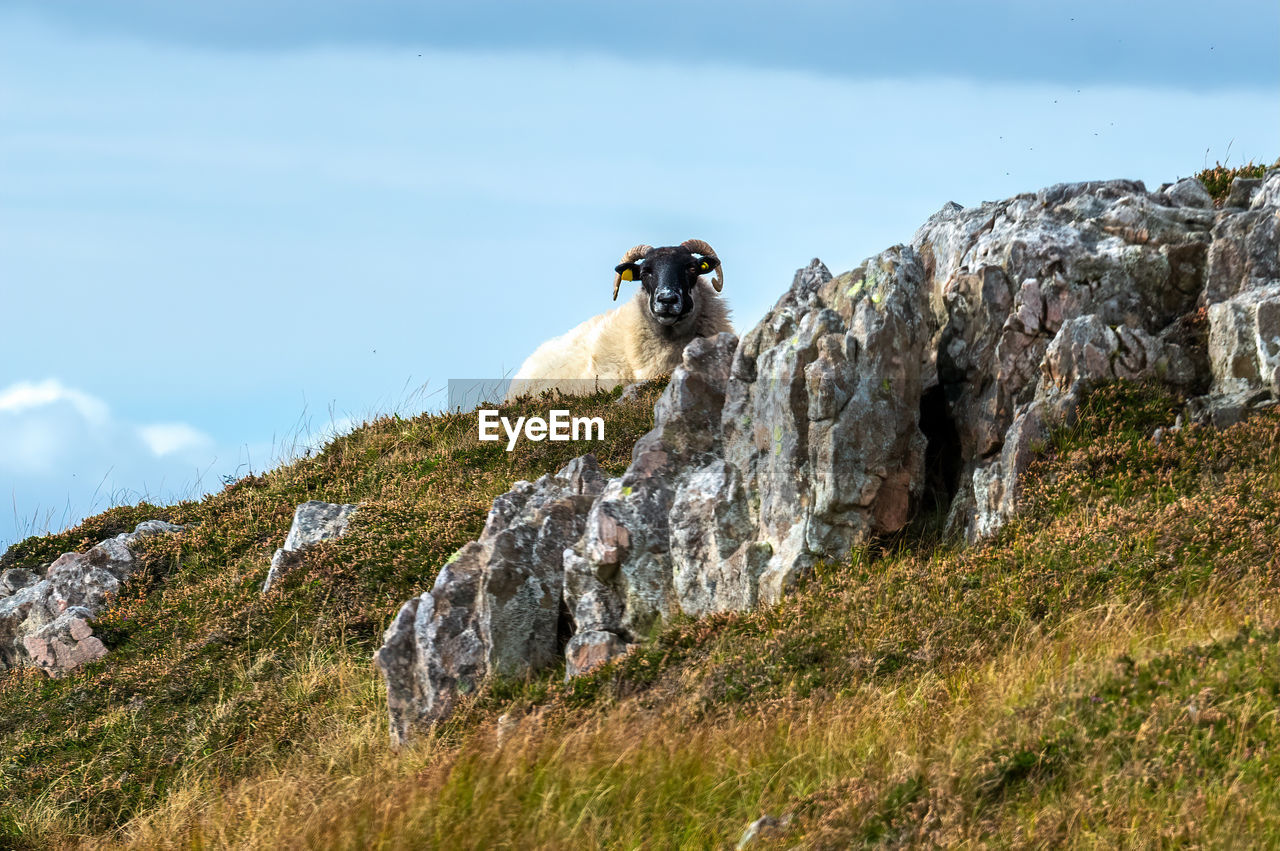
(28, 395)
(64, 455)
(167, 438)
(44, 423)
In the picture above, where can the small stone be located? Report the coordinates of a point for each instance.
(589, 650)
(506, 726)
(313, 522)
(630, 393)
(1190, 192)
(156, 527)
(763, 827)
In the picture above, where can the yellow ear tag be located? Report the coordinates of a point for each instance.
(704, 266)
(627, 276)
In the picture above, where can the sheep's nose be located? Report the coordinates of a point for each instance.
(668, 298)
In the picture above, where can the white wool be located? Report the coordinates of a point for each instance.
(624, 345)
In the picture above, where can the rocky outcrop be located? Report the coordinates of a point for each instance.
(1078, 283)
(496, 606)
(928, 376)
(620, 575)
(313, 522)
(46, 622)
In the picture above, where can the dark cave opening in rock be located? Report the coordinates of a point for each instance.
(942, 456)
(565, 627)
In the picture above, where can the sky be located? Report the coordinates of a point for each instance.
(229, 230)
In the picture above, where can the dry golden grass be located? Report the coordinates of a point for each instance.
(1218, 179)
(631, 777)
(207, 676)
(1104, 674)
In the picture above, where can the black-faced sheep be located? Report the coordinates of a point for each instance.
(644, 338)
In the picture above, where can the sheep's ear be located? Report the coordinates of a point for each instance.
(628, 271)
(708, 264)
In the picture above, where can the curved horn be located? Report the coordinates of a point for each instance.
(634, 253)
(697, 246)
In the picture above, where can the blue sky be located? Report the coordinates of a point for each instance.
(226, 229)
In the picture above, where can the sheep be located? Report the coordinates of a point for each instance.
(642, 338)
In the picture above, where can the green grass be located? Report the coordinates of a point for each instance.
(1105, 672)
(1218, 179)
(208, 675)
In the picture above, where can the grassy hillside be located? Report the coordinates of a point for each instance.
(208, 680)
(1107, 671)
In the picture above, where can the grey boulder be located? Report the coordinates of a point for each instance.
(313, 522)
(46, 623)
(496, 605)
